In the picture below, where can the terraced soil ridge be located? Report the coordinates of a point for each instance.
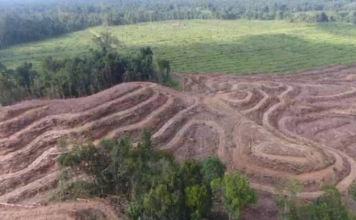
(270, 127)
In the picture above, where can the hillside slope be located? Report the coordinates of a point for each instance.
(271, 128)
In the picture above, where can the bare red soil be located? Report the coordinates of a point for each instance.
(270, 127)
(94, 209)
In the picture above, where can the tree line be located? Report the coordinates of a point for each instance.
(81, 76)
(27, 21)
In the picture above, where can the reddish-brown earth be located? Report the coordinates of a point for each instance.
(270, 127)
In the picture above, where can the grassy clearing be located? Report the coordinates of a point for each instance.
(213, 46)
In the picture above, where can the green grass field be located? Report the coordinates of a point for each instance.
(212, 46)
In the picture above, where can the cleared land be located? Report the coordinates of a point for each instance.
(270, 127)
(213, 46)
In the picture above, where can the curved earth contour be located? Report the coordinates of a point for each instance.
(270, 127)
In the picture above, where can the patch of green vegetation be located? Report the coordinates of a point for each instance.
(83, 75)
(211, 46)
(156, 187)
(328, 207)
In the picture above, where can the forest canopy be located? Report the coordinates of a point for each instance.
(31, 20)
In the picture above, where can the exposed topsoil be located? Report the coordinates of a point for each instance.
(270, 127)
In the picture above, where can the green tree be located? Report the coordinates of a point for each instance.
(162, 202)
(322, 17)
(328, 207)
(164, 68)
(288, 201)
(236, 193)
(191, 173)
(25, 75)
(156, 187)
(198, 201)
(212, 168)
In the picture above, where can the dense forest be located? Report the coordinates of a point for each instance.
(30, 20)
